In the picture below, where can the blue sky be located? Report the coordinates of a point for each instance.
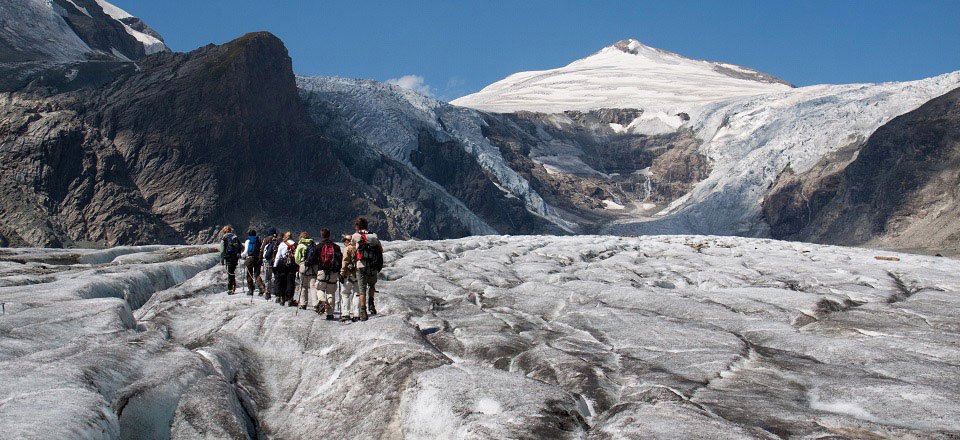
(458, 47)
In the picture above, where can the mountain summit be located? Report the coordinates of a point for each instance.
(627, 74)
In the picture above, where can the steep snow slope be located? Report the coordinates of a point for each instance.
(627, 74)
(752, 141)
(151, 41)
(33, 29)
(491, 337)
(392, 119)
(62, 31)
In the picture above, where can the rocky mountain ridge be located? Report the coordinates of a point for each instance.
(169, 147)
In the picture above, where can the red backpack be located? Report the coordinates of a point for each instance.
(330, 256)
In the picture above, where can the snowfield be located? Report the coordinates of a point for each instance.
(627, 74)
(490, 337)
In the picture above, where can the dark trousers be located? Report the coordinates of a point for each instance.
(286, 284)
(253, 275)
(231, 274)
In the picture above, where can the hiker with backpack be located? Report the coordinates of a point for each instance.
(308, 261)
(230, 250)
(369, 264)
(329, 260)
(349, 307)
(251, 255)
(285, 269)
(270, 243)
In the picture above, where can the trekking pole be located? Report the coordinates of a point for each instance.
(4, 306)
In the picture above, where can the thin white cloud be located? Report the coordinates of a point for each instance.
(412, 82)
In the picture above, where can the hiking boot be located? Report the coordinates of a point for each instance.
(344, 319)
(354, 319)
(231, 292)
(329, 317)
(372, 309)
(303, 307)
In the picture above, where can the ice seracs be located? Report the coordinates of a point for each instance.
(627, 74)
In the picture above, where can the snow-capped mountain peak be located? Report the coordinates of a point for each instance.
(627, 74)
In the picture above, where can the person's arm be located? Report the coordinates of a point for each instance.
(345, 262)
(280, 253)
(222, 251)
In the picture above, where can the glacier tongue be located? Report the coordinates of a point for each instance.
(490, 337)
(751, 141)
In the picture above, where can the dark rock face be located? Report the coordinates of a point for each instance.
(448, 165)
(898, 190)
(408, 207)
(191, 142)
(629, 169)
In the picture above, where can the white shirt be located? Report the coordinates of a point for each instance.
(282, 250)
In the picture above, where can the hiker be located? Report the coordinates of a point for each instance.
(270, 243)
(230, 250)
(369, 264)
(348, 282)
(307, 258)
(330, 259)
(285, 269)
(252, 257)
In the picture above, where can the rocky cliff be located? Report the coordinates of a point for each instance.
(170, 152)
(898, 190)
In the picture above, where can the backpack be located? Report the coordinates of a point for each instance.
(270, 251)
(253, 246)
(330, 257)
(370, 255)
(231, 247)
(312, 258)
(289, 261)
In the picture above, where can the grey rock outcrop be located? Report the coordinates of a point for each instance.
(898, 189)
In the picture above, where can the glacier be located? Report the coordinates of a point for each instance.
(597, 337)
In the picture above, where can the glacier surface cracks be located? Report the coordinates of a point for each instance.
(490, 337)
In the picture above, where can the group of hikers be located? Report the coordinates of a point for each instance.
(331, 281)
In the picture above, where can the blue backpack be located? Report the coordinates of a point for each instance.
(253, 246)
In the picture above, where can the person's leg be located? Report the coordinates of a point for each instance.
(258, 279)
(344, 302)
(329, 290)
(311, 284)
(291, 287)
(248, 265)
(304, 296)
(372, 290)
(334, 290)
(231, 277)
(268, 276)
(362, 294)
